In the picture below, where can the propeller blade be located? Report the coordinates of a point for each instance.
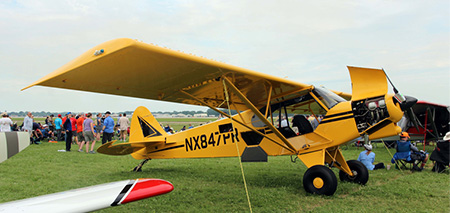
(412, 117)
(433, 125)
(408, 103)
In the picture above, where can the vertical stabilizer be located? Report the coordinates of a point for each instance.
(144, 126)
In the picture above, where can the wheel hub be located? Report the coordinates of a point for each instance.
(318, 182)
(355, 174)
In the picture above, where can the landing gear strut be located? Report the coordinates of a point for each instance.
(138, 168)
(360, 173)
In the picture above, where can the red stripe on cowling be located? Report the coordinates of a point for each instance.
(145, 188)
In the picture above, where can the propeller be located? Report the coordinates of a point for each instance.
(406, 103)
(412, 117)
(435, 133)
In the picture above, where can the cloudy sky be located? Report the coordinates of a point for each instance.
(307, 41)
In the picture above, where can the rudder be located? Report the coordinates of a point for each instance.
(144, 126)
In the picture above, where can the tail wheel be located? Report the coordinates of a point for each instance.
(360, 173)
(320, 180)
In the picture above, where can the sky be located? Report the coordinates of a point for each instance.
(307, 41)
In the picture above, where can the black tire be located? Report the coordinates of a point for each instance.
(320, 180)
(360, 171)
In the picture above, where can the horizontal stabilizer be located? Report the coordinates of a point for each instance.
(119, 149)
(124, 148)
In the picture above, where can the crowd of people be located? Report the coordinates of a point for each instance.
(406, 152)
(84, 131)
(81, 129)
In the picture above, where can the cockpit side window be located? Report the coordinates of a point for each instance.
(328, 98)
(304, 103)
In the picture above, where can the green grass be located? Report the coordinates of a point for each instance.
(215, 184)
(20, 120)
(187, 120)
(178, 123)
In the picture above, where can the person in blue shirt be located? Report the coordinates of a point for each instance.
(410, 153)
(108, 128)
(47, 133)
(367, 157)
(58, 125)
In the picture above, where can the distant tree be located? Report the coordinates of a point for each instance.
(211, 112)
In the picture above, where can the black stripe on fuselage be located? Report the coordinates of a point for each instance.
(169, 148)
(123, 193)
(337, 114)
(336, 119)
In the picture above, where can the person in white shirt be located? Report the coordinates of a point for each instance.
(28, 123)
(5, 123)
(124, 123)
(284, 122)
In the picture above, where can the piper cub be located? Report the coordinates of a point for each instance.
(131, 68)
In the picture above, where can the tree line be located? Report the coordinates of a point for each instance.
(209, 112)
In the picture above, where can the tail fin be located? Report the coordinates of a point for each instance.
(144, 126)
(144, 130)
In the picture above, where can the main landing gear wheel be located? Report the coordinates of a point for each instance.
(320, 180)
(360, 172)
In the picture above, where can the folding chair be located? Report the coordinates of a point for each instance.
(404, 157)
(440, 156)
(404, 164)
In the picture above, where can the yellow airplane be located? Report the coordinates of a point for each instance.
(128, 67)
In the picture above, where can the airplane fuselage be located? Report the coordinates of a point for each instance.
(228, 138)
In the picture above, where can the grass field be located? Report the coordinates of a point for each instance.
(215, 184)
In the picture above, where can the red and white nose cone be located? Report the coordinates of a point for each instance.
(145, 188)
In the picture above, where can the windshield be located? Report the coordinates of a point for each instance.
(330, 99)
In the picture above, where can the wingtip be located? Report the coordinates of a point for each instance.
(27, 87)
(145, 188)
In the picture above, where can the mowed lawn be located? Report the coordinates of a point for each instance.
(216, 185)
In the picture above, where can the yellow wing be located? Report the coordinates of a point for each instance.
(131, 68)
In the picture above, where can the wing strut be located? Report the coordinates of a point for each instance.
(268, 101)
(258, 113)
(237, 121)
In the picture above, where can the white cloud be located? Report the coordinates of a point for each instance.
(310, 42)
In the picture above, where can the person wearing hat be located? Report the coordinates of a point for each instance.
(47, 133)
(447, 137)
(408, 152)
(367, 157)
(5, 123)
(108, 128)
(441, 154)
